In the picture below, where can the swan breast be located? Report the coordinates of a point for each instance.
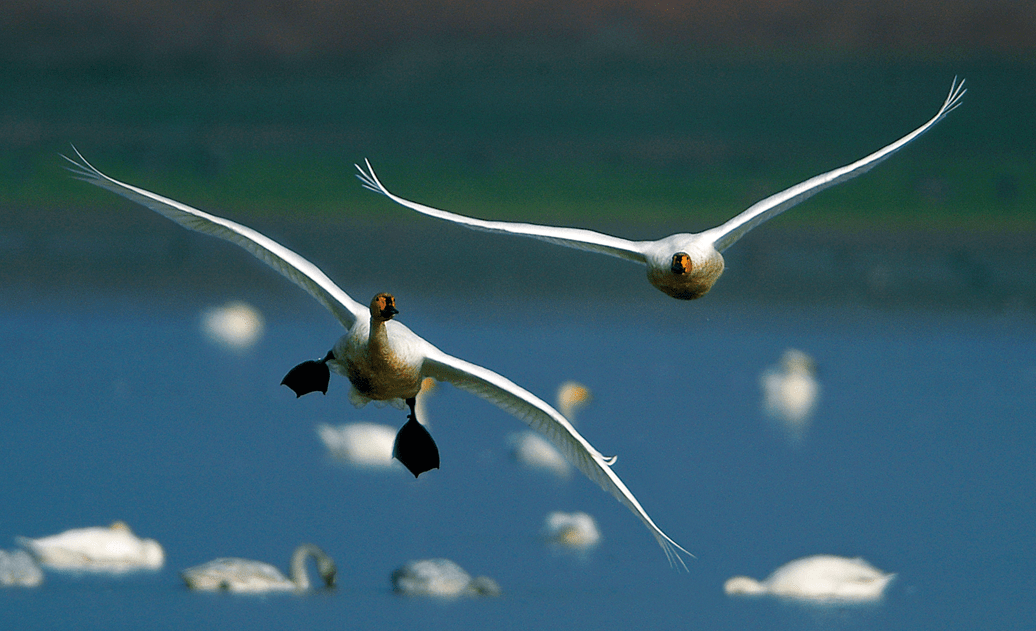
(683, 266)
(389, 371)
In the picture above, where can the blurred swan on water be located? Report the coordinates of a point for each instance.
(235, 325)
(101, 549)
(820, 579)
(245, 576)
(576, 531)
(385, 361)
(683, 265)
(440, 578)
(530, 449)
(369, 445)
(19, 569)
(363, 445)
(791, 392)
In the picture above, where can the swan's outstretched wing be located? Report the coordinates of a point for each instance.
(727, 234)
(546, 420)
(291, 265)
(571, 237)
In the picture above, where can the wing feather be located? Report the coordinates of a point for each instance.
(727, 234)
(541, 417)
(570, 237)
(295, 268)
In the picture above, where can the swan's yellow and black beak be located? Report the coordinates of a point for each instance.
(681, 264)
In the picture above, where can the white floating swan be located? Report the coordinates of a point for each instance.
(19, 569)
(820, 579)
(236, 325)
(791, 392)
(100, 549)
(384, 360)
(577, 531)
(532, 450)
(253, 577)
(683, 265)
(440, 578)
(364, 445)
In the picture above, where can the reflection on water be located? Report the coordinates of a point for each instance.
(116, 406)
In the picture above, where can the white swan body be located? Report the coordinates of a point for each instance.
(385, 360)
(100, 549)
(364, 445)
(684, 265)
(791, 392)
(19, 569)
(236, 325)
(253, 577)
(440, 578)
(577, 531)
(821, 578)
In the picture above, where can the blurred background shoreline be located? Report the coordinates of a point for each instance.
(636, 118)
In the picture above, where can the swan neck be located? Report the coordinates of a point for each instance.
(299, 575)
(378, 340)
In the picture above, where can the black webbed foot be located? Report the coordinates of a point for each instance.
(309, 376)
(415, 448)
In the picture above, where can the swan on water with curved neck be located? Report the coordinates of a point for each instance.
(684, 265)
(384, 360)
(245, 575)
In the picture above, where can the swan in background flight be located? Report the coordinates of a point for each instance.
(684, 265)
(245, 576)
(386, 361)
(821, 579)
(100, 549)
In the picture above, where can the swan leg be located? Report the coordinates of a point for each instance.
(414, 446)
(309, 376)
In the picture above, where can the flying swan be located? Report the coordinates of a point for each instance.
(384, 360)
(683, 265)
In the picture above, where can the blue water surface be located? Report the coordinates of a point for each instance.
(920, 459)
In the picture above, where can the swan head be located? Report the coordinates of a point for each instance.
(327, 570)
(383, 307)
(680, 264)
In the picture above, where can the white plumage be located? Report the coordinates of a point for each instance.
(382, 358)
(682, 265)
(440, 578)
(820, 579)
(100, 549)
(254, 577)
